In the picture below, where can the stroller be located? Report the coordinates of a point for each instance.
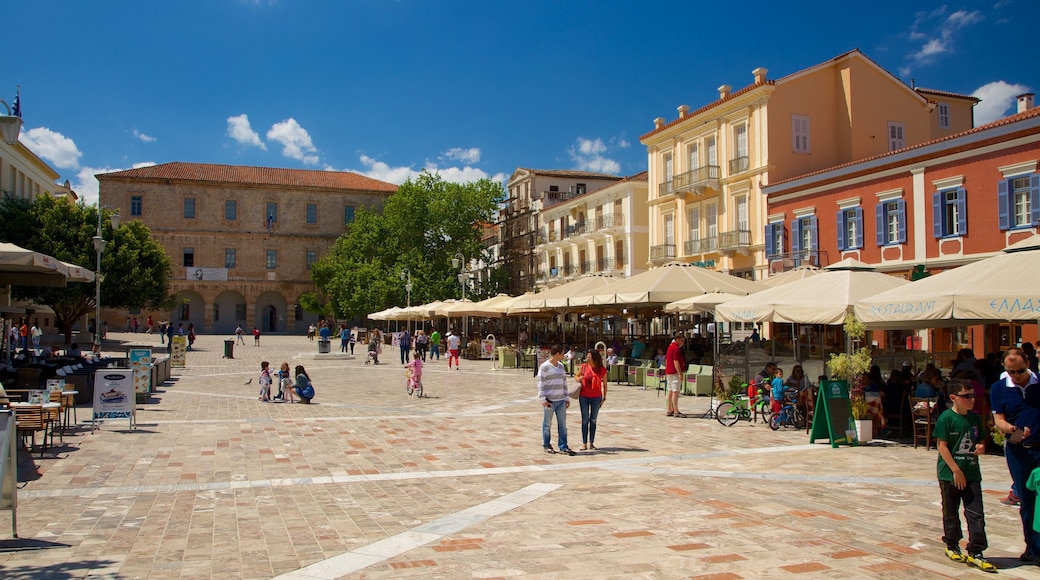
(373, 353)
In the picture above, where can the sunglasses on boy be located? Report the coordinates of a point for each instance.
(965, 395)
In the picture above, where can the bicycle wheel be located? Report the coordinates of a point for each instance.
(799, 420)
(774, 422)
(727, 413)
(765, 410)
(418, 390)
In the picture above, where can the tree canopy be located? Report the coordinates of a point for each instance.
(422, 227)
(135, 269)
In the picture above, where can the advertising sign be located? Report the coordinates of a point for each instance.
(179, 353)
(141, 364)
(114, 395)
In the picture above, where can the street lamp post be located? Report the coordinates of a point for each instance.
(406, 276)
(459, 261)
(99, 247)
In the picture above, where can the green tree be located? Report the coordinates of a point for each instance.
(423, 226)
(135, 269)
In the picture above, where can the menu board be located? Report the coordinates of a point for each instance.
(114, 395)
(141, 364)
(179, 352)
(833, 415)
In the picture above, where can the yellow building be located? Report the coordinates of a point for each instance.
(707, 167)
(241, 240)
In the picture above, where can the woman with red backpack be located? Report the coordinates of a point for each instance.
(593, 378)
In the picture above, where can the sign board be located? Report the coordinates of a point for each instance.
(9, 468)
(141, 364)
(487, 348)
(833, 415)
(114, 395)
(178, 354)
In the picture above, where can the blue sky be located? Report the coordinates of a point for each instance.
(470, 88)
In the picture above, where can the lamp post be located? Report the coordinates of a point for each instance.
(406, 277)
(99, 247)
(459, 261)
(11, 123)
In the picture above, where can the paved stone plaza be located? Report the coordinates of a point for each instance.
(368, 483)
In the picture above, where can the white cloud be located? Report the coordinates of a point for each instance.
(52, 146)
(385, 172)
(143, 137)
(997, 97)
(471, 155)
(587, 155)
(238, 129)
(940, 40)
(296, 142)
(86, 185)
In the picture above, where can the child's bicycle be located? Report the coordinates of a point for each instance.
(736, 408)
(413, 386)
(789, 415)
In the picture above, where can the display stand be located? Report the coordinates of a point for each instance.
(9, 467)
(114, 396)
(832, 418)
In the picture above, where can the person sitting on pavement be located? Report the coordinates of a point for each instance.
(304, 387)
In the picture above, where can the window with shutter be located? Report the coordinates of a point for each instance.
(895, 136)
(800, 133)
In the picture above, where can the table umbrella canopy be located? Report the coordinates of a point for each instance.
(825, 298)
(665, 284)
(388, 314)
(78, 273)
(559, 297)
(701, 303)
(22, 267)
(1004, 287)
(494, 306)
(799, 273)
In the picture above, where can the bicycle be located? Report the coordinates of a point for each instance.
(789, 414)
(413, 386)
(736, 408)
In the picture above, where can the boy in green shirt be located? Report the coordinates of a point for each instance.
(957, 433)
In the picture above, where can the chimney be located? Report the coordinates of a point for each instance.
(724, 91)
(683, 111)
(760, 74)
(1025, 102)
(658, 122)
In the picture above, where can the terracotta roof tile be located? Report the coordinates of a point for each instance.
(247, 175)
(568, 173)
(1034, 112)
(715, 103)
(946, 94)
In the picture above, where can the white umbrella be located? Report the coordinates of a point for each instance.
(78, 273)
(822, 299)
(701, 303)
(995, 289)
(22, 267)
(799, 273)
(559, 297)
(668, 283)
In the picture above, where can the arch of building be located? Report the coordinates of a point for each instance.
(270, 313)
(190, 309)
(229, 311)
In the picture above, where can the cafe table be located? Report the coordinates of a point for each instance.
(51, 410)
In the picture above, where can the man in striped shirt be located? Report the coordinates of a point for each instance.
(552, 392)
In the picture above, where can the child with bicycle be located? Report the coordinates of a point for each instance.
(777, 389)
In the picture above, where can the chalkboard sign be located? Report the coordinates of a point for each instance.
(833, 415)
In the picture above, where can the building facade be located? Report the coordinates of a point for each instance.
(241, 239)
(597, 232)
(529, 191)
(925, 208)
(707, 167)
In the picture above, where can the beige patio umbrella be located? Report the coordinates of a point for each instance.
(665, 284)
(78, 273)
(799, 273)
(975, 293)
(822, 299)
(559, 297)
(703, 303)
(22, 267)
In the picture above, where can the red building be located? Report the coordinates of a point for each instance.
(932, 206)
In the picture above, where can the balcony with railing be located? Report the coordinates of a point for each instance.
(738, 165)
(665, 188)
(569, 270)
(610, 220)
(735, 241)
(787, 260)
(608, 265)
(555, 197)
(662, 252)
(697, 180)
(700, 246)
(575, 230)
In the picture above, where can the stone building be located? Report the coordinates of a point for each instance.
(241, 240)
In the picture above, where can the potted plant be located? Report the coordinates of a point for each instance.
(864, 424)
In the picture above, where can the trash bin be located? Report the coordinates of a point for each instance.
(324, 346)
(229, 348)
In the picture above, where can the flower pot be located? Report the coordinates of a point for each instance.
(864, 430)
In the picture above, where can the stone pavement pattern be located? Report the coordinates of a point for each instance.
(368, 483)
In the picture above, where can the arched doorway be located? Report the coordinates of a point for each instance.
(270, 312)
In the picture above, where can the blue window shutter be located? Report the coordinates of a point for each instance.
(859, 227)
(815, 234)
(901, 211)
(1034, 198)
(842, 228)
(937, 215)
(962, 211)
(879, 214)
(770, 240)
(780, 232)
(796, 240)
(1003, 209)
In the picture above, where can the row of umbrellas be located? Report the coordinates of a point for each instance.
(995, 289)
(22, 267)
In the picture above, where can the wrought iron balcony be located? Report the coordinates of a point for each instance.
(577, 230)
(701, 246)
(662, 251)
(735, 240)
(738, 165)
(696, 180)
(610, 220)
(666, 188)
(786, 260)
